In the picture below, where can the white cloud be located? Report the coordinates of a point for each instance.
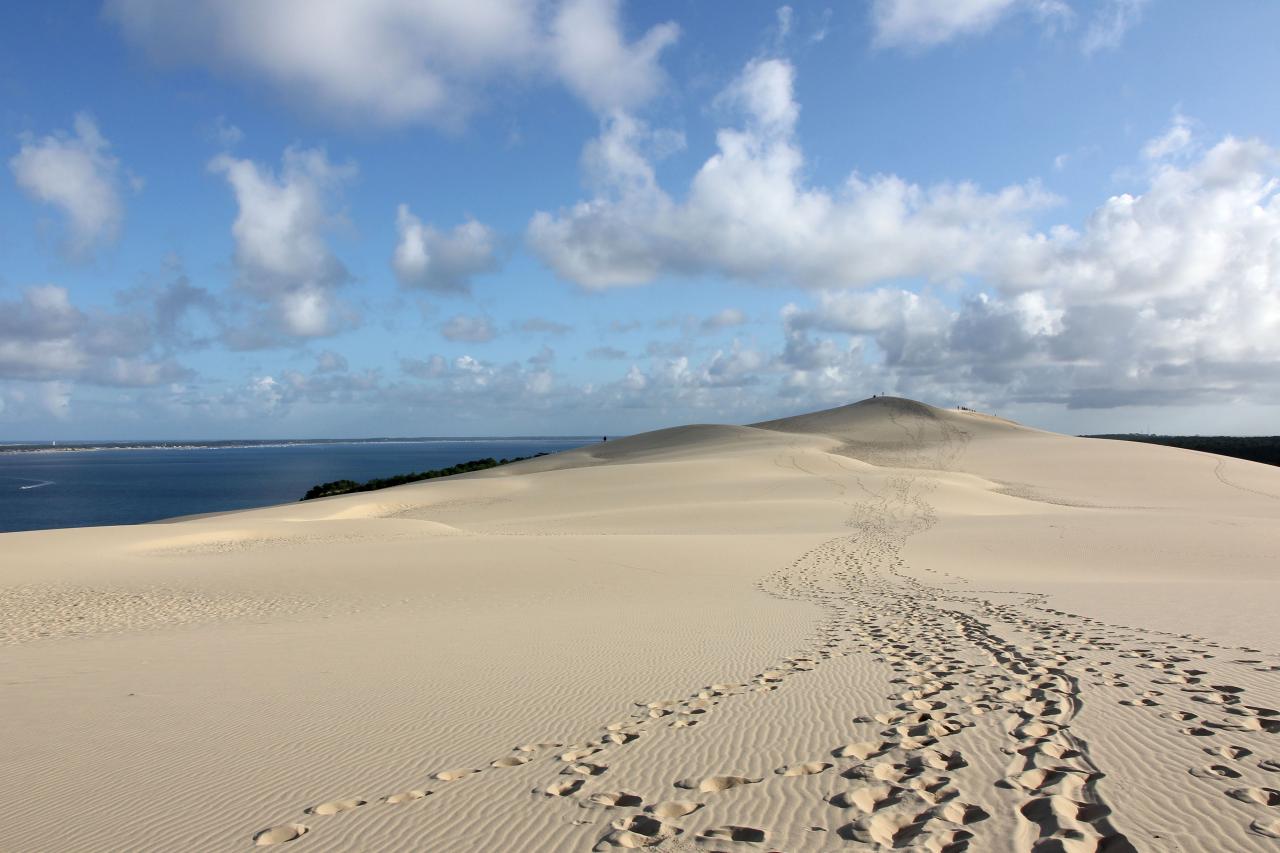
(1174, 141)
(1168, 293)
(1110, 22)
(470, 329)
(1197, 229)
(281, 255)
(78, 175)
(593, 58)
(922, 24)
(927, 23)
(266, 393)
(44, 337)
(401, 61)
(785, 17)
(749, 214)
(443, 262)
(1167, 296)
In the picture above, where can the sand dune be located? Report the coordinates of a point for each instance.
(884, 626)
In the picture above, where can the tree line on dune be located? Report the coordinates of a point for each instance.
(342, 487)
(1255, 448)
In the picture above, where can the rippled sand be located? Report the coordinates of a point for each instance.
(882, 626)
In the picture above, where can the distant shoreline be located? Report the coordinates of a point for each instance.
(245, 444)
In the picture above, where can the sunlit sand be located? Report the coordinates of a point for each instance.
(886, 624)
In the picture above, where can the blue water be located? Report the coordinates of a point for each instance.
(87, 488)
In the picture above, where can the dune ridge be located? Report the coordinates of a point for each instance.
(882, 626)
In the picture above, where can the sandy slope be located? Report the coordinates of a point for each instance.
(885, 625)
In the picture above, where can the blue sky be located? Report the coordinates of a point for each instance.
(409, 217)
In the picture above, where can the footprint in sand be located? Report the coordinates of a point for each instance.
(1052, 811)
(1268, 764)
(962, 813)
(1259, 796)
(863, 749)
(280, 834)
(621, 738)
(870, 799)
(563, 788)
(748, 834)
(510, 761)
(586, 768)
(578, 753)
(336, 806)
(809, 769)
(674, 808)
(891, 829)
(616, 799)
(1214, 771)
(1039, 778)
(1181, 716)
(1234, 753)
(536, 747)
(937, 759)
(405, 797)
(715, 784)
(455, 775)
(1267, 827)
(636, 832)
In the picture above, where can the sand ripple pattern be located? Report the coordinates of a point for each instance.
(45, 611)
(960, 660)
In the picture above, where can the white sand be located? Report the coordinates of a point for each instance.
(882, 625)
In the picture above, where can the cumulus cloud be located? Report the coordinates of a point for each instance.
(1168, 293)
(470, 385)
(1166, 296)
(470, 329)
(596, 62)
(401, 61)
(44, 337)
(77, 174)
(749, 213)
(282, 259)
(443, 262)
(1195, 230)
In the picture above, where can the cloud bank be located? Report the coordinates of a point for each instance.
(397, 62)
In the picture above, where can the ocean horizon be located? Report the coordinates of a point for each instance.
(89, 484)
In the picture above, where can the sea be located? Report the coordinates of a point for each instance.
(105, 484)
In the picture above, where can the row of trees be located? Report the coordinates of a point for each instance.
(1255, 448)
(342, 487)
